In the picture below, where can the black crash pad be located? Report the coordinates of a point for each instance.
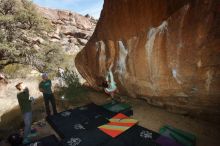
(114, 142)
(140, 136)
(66, 123)
(91, 110)
(94, 122)
(46, 141)
(118, 107)
(93, 137)
(72, 122)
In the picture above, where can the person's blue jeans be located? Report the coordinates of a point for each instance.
(27, 123)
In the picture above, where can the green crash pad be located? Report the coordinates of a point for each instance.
(185, 138)
(116, 106)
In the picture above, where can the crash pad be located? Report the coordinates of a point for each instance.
(74, 121)
(67, 123)
(93, 137)
(117, 125)
(46, 141)
(94, 122)
(114, 142)
(119, 107)
(183, 137)
(140, 136)
(93, 108)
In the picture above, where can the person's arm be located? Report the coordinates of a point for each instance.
(111, 77)
(40, 87)
(107, 77)
(27, 94)
(50, 84)
(112, 81)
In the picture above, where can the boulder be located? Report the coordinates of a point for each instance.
(68, 27)
(82, 41)
(166, 52)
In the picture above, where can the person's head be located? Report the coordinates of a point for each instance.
(20, 86)
(45, 76)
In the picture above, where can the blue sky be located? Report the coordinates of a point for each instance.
(92, 7)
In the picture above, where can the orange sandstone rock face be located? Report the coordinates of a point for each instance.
(164, 51)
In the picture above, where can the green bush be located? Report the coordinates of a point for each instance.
(19, 24)
(73, 90)
(16, 71)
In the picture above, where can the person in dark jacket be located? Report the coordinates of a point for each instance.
(25, 105)
(45, 87)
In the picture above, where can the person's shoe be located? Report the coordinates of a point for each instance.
(26, 141)
(113, 101)
(32, 135)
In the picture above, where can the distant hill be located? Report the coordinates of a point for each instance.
(72, 30)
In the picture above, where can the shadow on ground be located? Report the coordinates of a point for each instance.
(151, 117)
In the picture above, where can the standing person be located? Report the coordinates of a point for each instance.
(25, 106)
(45, 88)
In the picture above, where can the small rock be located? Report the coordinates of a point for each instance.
(36, 47)
(38, 40)
(82, 41)
(56, 36)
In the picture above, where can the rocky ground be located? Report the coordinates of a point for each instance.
(8, 93)
(148, 116)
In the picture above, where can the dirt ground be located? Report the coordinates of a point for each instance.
(148, 116)
(154, 118)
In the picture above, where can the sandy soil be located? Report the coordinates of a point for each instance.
(148, 116)
(8, 93)
(154, 118)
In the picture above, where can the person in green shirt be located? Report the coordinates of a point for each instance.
(110, 85)
(45, 87)
(25, 106)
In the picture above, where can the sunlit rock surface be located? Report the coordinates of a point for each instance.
(164, 51)
(72, 30)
